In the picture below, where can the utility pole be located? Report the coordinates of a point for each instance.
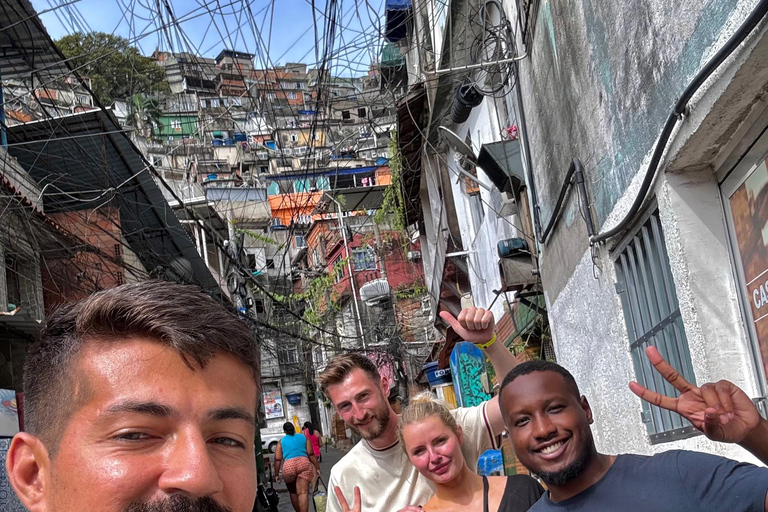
(351, 273)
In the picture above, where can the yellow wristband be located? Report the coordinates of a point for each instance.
(487, 344)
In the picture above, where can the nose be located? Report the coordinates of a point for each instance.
(543, 428)
(190, 468)
(358, 412)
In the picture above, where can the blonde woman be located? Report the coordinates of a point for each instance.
(432, 441)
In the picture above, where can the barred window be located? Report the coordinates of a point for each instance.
(652, 315)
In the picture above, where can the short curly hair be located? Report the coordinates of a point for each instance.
(178, 316)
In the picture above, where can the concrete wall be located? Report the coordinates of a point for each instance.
(601, 80)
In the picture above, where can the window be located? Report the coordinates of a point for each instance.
(157, 161)
(316, 257)
(202, 103)
(294, 137)
(12, 283)
(236, 102)
(176, 125)
(300, 241)
(361, 113)
(215, 102)
(270, 263)
(338, 276)
(345, 114)
(652, 315)
(363, 259)
(526, 13)
(287, 354)
(291, 95)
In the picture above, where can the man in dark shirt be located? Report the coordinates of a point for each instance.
(549, 424)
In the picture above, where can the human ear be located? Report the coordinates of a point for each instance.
(385, 386)
(27, 466)
(587, 409)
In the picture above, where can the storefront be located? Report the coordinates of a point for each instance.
(744, 187)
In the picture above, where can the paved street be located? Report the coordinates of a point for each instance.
(330, 457)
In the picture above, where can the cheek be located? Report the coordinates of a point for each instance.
(239, 487)
(101, 481)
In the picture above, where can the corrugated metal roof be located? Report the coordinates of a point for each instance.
(83, 161)
(25, 45)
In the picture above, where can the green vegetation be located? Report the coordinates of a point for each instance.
(116, 68)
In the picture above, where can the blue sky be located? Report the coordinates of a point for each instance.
(227, 24)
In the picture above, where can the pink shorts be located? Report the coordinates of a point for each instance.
(298, 467)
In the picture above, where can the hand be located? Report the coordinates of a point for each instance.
(277, 479)
(356, 505)
(474, 324)
(722, 411)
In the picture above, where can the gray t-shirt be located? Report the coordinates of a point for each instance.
(673, 481)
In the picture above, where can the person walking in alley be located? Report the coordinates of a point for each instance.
(300, 467)
(314, 438)
(377, 465)
(139, 398)
(549, 424)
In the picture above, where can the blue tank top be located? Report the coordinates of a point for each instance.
(294, 446)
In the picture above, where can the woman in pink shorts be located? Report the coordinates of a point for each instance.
(297, 458)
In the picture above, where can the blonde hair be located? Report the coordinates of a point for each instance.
(421, 407)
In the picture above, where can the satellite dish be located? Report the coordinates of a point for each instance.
(457, 144)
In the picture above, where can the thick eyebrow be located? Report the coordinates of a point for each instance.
(232, 413)
(148, 408)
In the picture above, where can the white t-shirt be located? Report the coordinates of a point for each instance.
(387, 479)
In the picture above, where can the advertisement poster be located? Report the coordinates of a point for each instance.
(749, 206)
(273, 403)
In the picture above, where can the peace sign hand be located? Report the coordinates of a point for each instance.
(474, 324)
(722, 411)
(356, 505)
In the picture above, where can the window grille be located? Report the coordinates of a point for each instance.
(363, 259)
(652, 315)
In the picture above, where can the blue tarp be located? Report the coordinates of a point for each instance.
(398, 13)
(398, 5)
(490, 463)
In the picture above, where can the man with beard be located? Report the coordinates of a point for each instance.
(549, 424)
(378, 465)
(139, 398)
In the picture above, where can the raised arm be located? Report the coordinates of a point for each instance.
(477, 326)
(721, 410)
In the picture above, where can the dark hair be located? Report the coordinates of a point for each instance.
(309, 426)
(180, 317)
(539, 365)
(342, 365)
(288, 428)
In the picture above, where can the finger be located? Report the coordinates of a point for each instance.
(342, 499)
(712, 427)
(469, 319)
(487, 319)
(665, 370)
(724, 390)
(654, 398)
(710, 397)
(450, 319)
(479, 318)
(358, 501)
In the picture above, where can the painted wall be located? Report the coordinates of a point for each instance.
(601, 80)
(610, 73)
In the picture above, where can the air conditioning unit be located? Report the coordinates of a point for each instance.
(508, 205)
(413, 255)
(262, 155)
(303, 150)
(287, 151)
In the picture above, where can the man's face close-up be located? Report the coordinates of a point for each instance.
(362, 404)
(153, 435)
(549, 425)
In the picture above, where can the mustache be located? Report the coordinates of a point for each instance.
(179, 503)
